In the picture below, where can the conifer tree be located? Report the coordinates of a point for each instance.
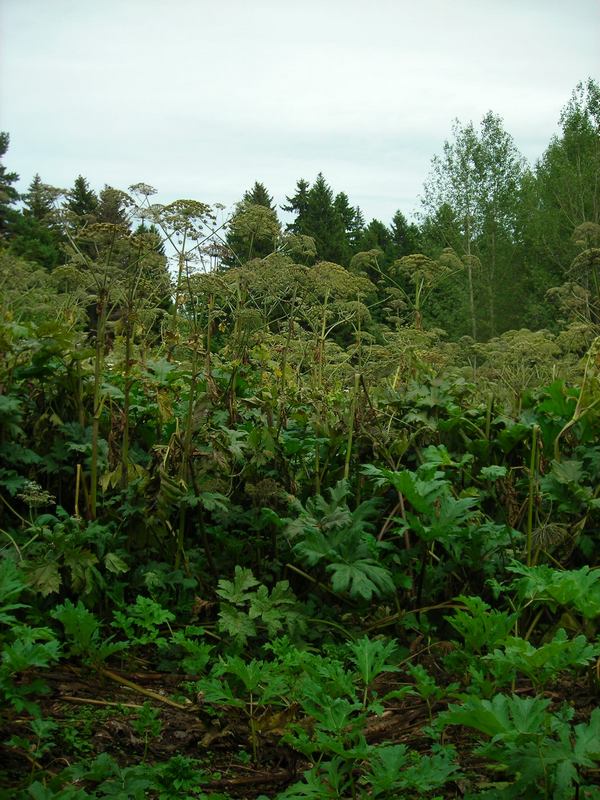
(112, 207)
(81, 199)
(253, 229)
(356, 229)
(318, 217)
(36, 234)
(259, 196)
(405, 236)
(297, 204)
(39, 199)
(8, 193)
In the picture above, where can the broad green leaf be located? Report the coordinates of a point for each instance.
(236, 591)
(236, 623)
(115, 563)
(494, 472)
(372, 657)
(567, 471)
(363, 578)
(45, 578)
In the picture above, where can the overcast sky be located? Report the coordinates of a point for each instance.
(200, 98)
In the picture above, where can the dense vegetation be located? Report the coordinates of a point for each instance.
(314, 513)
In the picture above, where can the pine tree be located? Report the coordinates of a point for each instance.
(8, 193)
(376, 236)
(81, 199)
(36, 240)
(347, 214)
(254, 228)
(39, 199)
(297, 204)
(111, 207)
(259, 196)
(405, 236)
(253, 232)
(317, 216)
(325, 223)
(36, 235)
(342, 205)
(356, 230)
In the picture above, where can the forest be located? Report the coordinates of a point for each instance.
(296, 505)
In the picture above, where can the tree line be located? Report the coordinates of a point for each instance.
(497, 244)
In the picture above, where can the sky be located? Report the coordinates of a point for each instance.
(201, 99)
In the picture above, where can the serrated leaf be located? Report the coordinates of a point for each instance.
(80, 564)
(236, 623)
(24, 654)
(214, 501)
(363, 578)
(371, 657)
(115, 564)
(587, 741)
(493, 472)
(236, 591)
(11, 581)
(12, 481)
(567, 471)
(45, 578)
(80, 625)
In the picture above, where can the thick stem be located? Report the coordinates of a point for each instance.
(184, 469)
(351, 415)
(126, 404)
(532, 487)
(97, 406)
(470, 282)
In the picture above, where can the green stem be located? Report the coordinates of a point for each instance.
(532, 487)
(187, 452)
(126, 404)
(351, 416)
(97, 407)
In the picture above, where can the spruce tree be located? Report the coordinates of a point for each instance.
(377, 236)
(35, 234)
(297, 205)
(356, 229)
(317, 216)
(8, 193)
(81, 199)
(405, 236)
(326, 226)
(39, 199)
(259, 196)
(111, 207)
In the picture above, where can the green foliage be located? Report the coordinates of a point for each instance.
(147, 725)
(248, 604)
(141, 621)
(8, 193)
(480, 626)
(254, 230)
(328, 534)
(23, 647)
(372, 657)
(575, 589)
(396, 772)
(285, 482)
(546, 662)
(538, 749)
(83, 632)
